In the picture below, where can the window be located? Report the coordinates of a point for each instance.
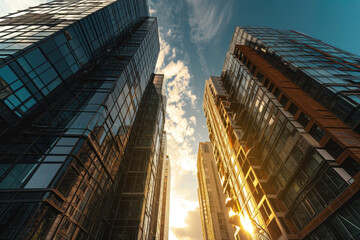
(46, 222)
(316, 132)
(205, 148)
(266, 82)
(276, 92)
(293, 109)
(13, 218)
(35, 58)
(7, 74)
(333, 148)
(253, 69)
(260, 76)
(271, 87)
(244, 60)
(248, 65)
(43, 176)
(303, 119)
(351, 166)
(15, 178)
(3, 168)
(67, 182)
(284, 100)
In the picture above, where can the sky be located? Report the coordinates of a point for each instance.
(194, 37)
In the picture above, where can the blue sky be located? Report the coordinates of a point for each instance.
(195, 35)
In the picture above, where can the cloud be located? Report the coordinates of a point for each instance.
(206, 18)
(10, 6)
(173, 62)
(179, 97)
(164, 51)
(193, 120)
(192, 229)
(152, 10)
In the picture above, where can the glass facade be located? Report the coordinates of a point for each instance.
(214, 215)
(160, 211)
(36, 56)
(72, 79)
(135, 208)
(329, 75)
(288, 161)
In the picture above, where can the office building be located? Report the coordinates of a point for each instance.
(214, 214)
(165, 206)
(283, 122)
(73, 75)
(135, 210)
(158, 192)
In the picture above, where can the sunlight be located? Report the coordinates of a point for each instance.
(179, 210)
(247, 224)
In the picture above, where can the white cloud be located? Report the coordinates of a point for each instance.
(10, 6)
(206, 18)
(152, 10)
(164, 51)
(192, 228)
(180, 137)
(180, 124)
(182, 207)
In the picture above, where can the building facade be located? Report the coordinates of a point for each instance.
(135, 209)
(283, 122)
(165, 206)
(72, 76)
(158, 192)
(214, 215)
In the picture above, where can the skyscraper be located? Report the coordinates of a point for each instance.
(72, 76)
(283, 120)
(135, 210)
(164, 231)
(155, 227)
(214, 215)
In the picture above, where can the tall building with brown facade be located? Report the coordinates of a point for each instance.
(214, 216)
(283, 121)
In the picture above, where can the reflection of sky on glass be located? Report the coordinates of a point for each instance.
(195, 36)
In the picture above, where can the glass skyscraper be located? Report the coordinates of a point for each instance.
(135, 210)
(283, 120)
(72, 78)
(161, 200)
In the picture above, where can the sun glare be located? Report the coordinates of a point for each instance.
(231, 213)
(247, 224)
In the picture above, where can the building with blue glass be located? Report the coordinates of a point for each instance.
(283, 120)
(73, 75)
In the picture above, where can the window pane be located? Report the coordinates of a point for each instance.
(7, 74)
(35, 58)
(43, 176)
(17, 176)
(67, 182)
(3, 168)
